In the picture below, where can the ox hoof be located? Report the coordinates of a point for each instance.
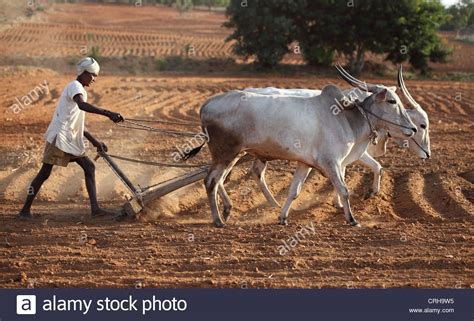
(354, 223)
(218, 223)
(226, 213)
(371, 194)
(337, 205)
(283, 221)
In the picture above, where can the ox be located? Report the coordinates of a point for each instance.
(419, 144)
(302, 129)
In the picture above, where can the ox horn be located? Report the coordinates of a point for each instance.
(401, 84)
(354, 82)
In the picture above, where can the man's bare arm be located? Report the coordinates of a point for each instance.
(115, 117)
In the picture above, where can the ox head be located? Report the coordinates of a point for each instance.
(385, 105)
(420, 142)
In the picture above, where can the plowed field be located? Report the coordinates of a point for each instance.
(417, 233)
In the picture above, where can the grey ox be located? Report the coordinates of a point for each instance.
(301, 129)
(419, 143)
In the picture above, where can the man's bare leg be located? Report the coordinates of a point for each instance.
(89, 174)
(34, 188)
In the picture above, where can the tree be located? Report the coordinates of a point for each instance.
(263, 28)
(184, 5)
(211, 3)
(401, 30)
(459, 15)
(418, 40)
(315, 32)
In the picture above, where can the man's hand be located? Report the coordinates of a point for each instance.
(101, 147)
(115, 117)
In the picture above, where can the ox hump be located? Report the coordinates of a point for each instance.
(332, 92)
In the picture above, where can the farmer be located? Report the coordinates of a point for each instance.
(65, 136)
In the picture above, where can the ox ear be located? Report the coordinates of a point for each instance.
(393, 88)
(381, 96)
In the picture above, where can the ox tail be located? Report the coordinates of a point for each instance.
(193, 152)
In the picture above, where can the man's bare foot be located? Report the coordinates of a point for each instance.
(24, 215)
(100, 212)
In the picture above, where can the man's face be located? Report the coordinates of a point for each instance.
(88, 78)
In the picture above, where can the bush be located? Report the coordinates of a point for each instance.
(94, 52)
(173, 63)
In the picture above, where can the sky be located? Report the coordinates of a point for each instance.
(447, 3)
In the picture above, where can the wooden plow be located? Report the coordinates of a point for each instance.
(141, 197)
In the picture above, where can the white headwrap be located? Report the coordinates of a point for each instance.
(88, 64)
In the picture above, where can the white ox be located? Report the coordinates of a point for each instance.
(302, 129)
(419, 144)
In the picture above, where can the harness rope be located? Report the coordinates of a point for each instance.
(373, 133)
(427, 154)
(386, 120)
(139, 126)
(169, 122)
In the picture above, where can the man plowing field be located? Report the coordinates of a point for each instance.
(65, 136)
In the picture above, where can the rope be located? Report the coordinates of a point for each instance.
(417, 144)
(132, 160)
(373, 133)
(153, 129)
(386, 120)
(183, 123)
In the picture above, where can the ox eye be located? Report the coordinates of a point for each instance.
(423, 126)
(392, 101)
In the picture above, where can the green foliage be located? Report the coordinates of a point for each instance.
(263, 28)
(211, 3)
(460, 15)
(166, 2)
(208, 3)
(94, 52)
(184, 5)
(173, 63)
(417, 32)
(402, 30)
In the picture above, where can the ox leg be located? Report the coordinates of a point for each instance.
(335, 174)
(302, 171)
(377, 169)
(258, 169)
(337, 200)
(227, 202)
(212, 184)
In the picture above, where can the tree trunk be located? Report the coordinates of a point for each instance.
(357, 63)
